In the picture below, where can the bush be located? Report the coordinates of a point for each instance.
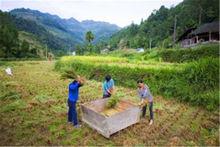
(203, 74)
(191, 54)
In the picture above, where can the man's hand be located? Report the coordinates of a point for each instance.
(143, 102)
(80, 80)
(139, 104)
(110, 91)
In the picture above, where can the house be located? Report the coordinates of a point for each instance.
(140, 50)
(73, 53)
(105, 51)
(206, 33)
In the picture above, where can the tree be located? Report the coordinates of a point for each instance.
(24, 49)
(79, 50)
(8, 35)
(89, 37)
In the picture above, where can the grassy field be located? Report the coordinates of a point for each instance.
(33, 112)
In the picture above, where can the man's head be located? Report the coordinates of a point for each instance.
(108, 78)
(140, 83)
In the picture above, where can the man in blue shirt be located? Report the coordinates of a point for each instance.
(146, 97)
(108, 87)
(72, 99)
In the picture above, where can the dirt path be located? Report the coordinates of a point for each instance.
(33, 112)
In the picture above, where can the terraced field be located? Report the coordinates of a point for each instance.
(33, 112)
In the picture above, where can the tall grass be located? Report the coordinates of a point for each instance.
(189, 83)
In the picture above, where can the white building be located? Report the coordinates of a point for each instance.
(140, 50)
(73, 53)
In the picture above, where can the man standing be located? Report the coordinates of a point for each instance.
(72, 100)
(146, 97)
(108, 86)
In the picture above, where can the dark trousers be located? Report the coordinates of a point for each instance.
(72, 114)
(106, 96)
(150, 109)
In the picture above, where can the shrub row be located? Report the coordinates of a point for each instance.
(197, 83)
(184, 55)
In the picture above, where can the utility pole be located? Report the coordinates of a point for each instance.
(174, 31)
(69, 51)
(150, 43)
(46, 52)
(200, 15)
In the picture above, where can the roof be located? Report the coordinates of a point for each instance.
(205, 28)
(208, 27)
(185, 34)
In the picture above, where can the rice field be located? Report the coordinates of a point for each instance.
(120, 61)
(33, 111)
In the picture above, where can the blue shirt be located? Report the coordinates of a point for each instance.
(145, 93)
(107, 86)
(74, 91)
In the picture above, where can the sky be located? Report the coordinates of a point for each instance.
(119, 12)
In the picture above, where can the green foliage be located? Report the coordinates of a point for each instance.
(112, 102)
(89, 36)
(10, 44)
(182, 55)
(203, 73)
(8, 36)
(79, 50)
(184, 82)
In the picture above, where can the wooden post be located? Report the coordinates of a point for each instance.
(150, 43)
(200, 14)
(210, 36)
(174, 31)
(197, 39)
(46, 52)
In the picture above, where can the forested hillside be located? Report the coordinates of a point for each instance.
(11, 45)
(158, 28)
(58, 33)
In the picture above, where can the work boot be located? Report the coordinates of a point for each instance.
(77, 126)
(151, 122)
(70, 123)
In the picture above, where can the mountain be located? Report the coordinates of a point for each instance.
(58, 33)
(157, 30)
(102, 30)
